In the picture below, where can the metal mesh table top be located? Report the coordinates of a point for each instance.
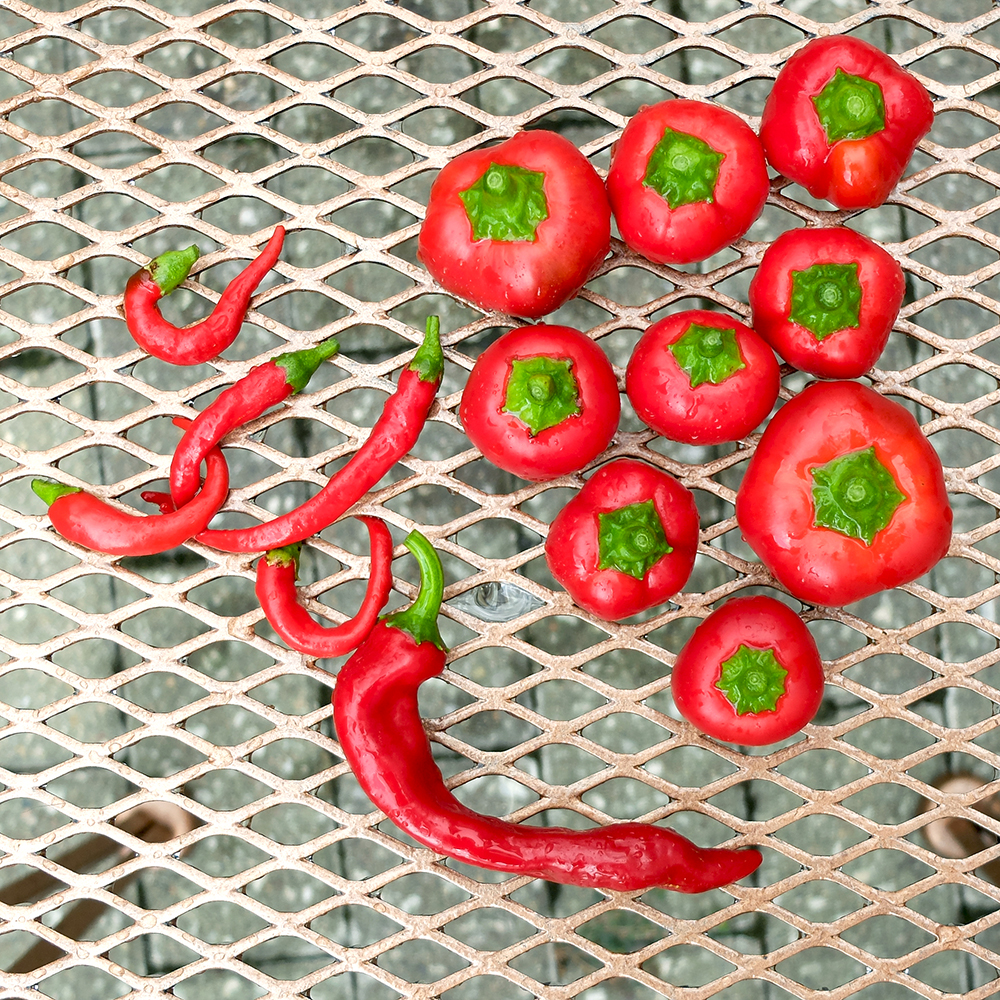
(130, 127)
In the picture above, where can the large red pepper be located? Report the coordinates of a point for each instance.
(262, 387)
(383, 739)
(518, 227)
(626, 542)
(826, 300)
(279, 600)
(687, 178)
(844, 496)
(200, 342)
(89, 521)
(843, 120)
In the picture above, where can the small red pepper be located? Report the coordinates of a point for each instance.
(826, 300)
(702, 378)
(394, 434)
(89, 521)
(843, 119)
(518, 227)
(687, 178)
(750, 673)
(279, 599)
(200, 342)
(541, 401)
(262, 387)
(626, 542)
(383, 739)
(844, 496)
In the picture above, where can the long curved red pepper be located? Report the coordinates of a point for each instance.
(89, 521)
(279, 598)
(382, 737)
(262, 387)
(200, 342)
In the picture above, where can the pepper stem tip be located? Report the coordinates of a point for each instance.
(287, 555)
(50, 492)
(420, 618)
(428, 362)
(171, 268)
(300, 366)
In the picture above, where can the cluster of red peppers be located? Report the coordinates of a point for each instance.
(843, 497)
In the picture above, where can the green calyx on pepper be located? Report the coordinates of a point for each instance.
(171, 268)
(752, 680)
(683, 169)
(826, 298)
(300, 366)
(50, 492)
(420, 618)
(855, 494)
(542, 392)
(707, 354)
(850, 107)
(631, 539)
(507, 203)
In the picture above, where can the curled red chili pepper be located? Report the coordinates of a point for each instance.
(89, 521)
(382, 737)
(279, 599)
(262, 387)
(195, 344)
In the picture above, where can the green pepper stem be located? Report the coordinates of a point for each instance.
(300, 366)
(428, 362)
(171, 268)
(420, 618)
(50, 492)
(286, 556)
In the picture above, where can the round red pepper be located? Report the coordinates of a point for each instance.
(541, 402)
(826, 299)
(750, 673)
(687, 178)
(844, 496)
(702, 378)
(517, 227)
(626, 542)
(843, 120)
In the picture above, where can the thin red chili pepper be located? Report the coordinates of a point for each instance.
(279, 599)
(89, 521)
(383, 739)
(262, 387)
(200, 342)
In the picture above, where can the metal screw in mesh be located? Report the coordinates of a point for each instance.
(132, 127)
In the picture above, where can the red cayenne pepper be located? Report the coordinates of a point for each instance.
(191, 345)
(262, 387)
(279, 599)
(89, 521)
(383, 739)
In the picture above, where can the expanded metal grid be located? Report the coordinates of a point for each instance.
(130, 127)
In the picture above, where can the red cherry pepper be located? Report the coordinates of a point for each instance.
(383, 739)
(85, 519)
(702, 378)
(262, 387)
(519, 227)
(279, 599)
(626, 542)
(750, 673)
(826, 300)
(687, 178)
(394, 434)
(843, 119)
(191, 345)
(844, 496)
(541, 402)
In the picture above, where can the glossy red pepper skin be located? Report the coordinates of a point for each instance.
(383, 739)
(775, 506)
(521, 277)
(851, 351)
(279, 600)
(698, 229)
(200, 342)
(85, 519)
(758, 623)
(852, 173)
(573, 549)
(663, 397)
(262, 387)
(506, 440)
